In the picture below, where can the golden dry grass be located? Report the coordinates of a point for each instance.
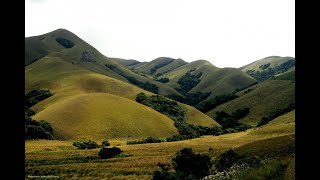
(139, 161)
(97, 116)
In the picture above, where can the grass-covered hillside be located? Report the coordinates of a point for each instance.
(207, 78)
(98, 101)
(263, 100)
(68, 47)
(269, 67)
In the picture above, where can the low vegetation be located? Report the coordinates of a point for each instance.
(187, 165)
(210, 104)
(270, 72)
(65, 42)
(36, 129)
(144, 141)
(106, 153)
(35, 96)
(232, 121)
(86, 144)
(264, 120)
(188, 81)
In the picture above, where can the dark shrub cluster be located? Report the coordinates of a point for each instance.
(187, 165)
(270, 72)
(144, 141)
(209, 104)
(232, 121)
(85, 144)
(106, 153)
(163, 105)
(35, 96)
(163, 80)
(65, 42)
(37, 129)
(188, 81)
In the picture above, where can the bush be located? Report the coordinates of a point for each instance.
(190, 164)
(144, 141)
(105, 143)
(163, 80)
(209, 104)
(37, 129)
(85, 144)
(227, 159)
(106, 153)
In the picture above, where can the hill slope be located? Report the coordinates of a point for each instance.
(268, 67)
(211, 79)
(98, 116)
(69, 82)
(67, 46)
(267, 97)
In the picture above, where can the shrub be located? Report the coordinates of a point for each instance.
(37, 129)
(227, 159)
(190, 164)
(163, 80)
(144, 141)
(105, 143)
(106, 153)
(85, 144)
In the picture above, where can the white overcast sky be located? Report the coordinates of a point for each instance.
(228, 33)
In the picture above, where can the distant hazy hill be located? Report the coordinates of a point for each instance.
(263, 99)
(92, 101)
(268, 67)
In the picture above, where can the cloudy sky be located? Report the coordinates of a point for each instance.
(228, 33)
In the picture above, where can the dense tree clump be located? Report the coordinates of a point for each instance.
(35, 96)
(36, 129)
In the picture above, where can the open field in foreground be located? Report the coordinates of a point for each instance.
(60, 158)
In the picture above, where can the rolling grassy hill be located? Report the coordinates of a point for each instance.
(97, 116)
(268, 67)
(67, 46)
(158, 66)
(216, 80)
(75, 101)
(265, 98)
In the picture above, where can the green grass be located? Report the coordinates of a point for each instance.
(70, 83)
(216, 80)
(286, 76)
(273, 60)
(267, 97)
(46, 44)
